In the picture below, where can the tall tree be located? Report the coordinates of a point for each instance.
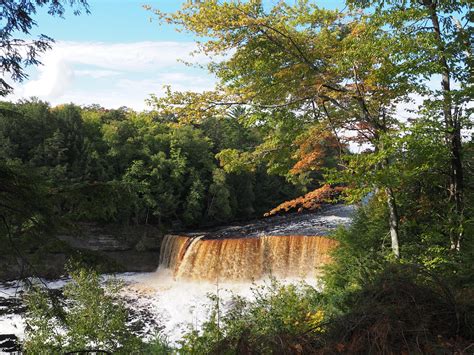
(300, 58)
(443, 32)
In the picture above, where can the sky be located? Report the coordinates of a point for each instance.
(116, 56)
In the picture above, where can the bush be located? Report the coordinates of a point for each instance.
(406, 309)
(91, 317)
(363, 252)
(371, 303)
(157, 346)
(277, 319)
(403, 309)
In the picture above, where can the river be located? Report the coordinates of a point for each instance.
(228, 260)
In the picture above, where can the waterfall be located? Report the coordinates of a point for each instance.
(243, 259)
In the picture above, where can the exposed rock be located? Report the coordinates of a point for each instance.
(14, 267)
(132, 260)
(113, 248)
(9, 343)
(95, 237)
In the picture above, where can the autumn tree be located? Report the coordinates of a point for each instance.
(329, 65)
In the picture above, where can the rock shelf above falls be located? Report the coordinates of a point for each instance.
(282, 246)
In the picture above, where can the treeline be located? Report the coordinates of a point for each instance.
(120, 166)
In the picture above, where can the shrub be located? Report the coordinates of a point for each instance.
(277, 319)
(157, 346)
(405, 309)
(91, 317)
(363, 252)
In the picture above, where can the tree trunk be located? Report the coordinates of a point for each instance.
(393, 221)
(453, 134)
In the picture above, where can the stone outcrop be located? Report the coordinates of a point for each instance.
(113, 248)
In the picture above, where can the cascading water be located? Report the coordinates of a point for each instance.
(241, 259)
(234, 259)
(226, 260)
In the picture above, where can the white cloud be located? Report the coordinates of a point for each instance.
(96, 73)
(136, 56)
(53, 80)
(112, 74)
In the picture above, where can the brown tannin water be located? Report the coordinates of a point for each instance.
(240, 259)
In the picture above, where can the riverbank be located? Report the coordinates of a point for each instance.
(109, 248)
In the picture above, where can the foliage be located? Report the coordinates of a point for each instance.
(296, 85)
(119, 166)
(219, 205)
(336, 77)
(92, 317)
(310, 202)
(158, 346)
(395, 308)
(369, 303)
(271, 321)
(404, 308)
(318, 148)
(362, 253)
(25, 210)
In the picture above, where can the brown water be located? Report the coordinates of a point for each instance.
(225, 259)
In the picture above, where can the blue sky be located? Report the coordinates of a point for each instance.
(115, 56)
(112, 21)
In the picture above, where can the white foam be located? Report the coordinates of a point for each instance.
(181, 305)
(177, 305)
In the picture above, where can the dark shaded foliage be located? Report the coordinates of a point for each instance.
(406, 309)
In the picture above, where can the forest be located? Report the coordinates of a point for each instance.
(120, 166)
(370, 105)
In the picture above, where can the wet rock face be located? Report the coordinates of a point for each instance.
(9, 343)
(14, 267)
(114, 248)
(129, 248)
(112, 238)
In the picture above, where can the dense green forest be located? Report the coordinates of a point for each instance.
(120, 166)
(298, 86)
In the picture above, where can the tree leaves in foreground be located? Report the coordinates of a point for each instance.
(19, 48)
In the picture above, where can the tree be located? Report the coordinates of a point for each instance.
(24, 207)
(95, 318)
(15, 54)
(194, 203)
(219, 200)
(328, 65)
(17, 18)
(72, 130)
(442, 31)
(347, 69)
